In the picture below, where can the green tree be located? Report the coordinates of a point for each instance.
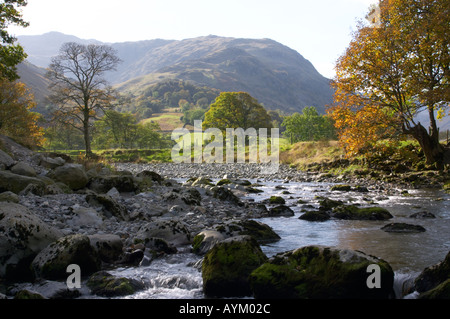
(122, 130)
(236, 110)
(192, 115)
(308, 126)
(118, 129)
(78, 87)
(148, 136)
(10, 54)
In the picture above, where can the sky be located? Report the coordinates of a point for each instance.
(320, 30)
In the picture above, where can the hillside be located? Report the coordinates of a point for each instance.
(35, 79)
(279, 77)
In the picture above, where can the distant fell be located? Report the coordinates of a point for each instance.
(279, 77)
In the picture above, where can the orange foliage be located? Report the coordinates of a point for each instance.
(16, 119)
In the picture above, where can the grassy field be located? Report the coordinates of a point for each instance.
(168, 121)
(305, 153)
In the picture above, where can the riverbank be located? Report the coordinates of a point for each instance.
(54, 211)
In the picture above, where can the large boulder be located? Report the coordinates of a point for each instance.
(281, 211)
(224, 194)
(51, 263)
(206, 239)
(22, 168)
(9, 197)
(50, 162)
(123, 183)
(315, 216)
(442, 291)
(18, 183)
(73, 175)
(351, 212)
(104, 284)
(5, 160)
(185, 196)
(172, 231)
(110, 207)
(320, 273)
(83, 217)
(227, 266)
(403, 228)
(109, 247)
(433, 281)
(22, 236)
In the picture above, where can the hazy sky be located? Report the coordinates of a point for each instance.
(318, 29)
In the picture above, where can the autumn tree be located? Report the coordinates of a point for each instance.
(16, 101)
(236, 110)
(16, 118)
(78, 86)
(393, 70)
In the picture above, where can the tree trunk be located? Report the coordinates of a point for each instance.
(86, 133)
(433, 150)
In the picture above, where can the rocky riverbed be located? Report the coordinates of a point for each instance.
(54, 213)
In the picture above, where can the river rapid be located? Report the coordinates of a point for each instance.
(178, 276)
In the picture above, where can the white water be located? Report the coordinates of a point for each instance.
(174, 276)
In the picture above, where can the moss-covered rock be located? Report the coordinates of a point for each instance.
(260, 232)
(441, 291)
(446, 186)
(224, 194)
(315, 216)
(253, 190)
(73, 175)
(227, 266)
(104, 284)
(108, 247)
(17, 183)
(224, 181)
(9, 197)
(422, 215)
(351, 212)
(341, 188)
(320, 273)
(327, 204)
(172, 231)
(433, 276)
(22, 236)
(281, 211)
(184, 196)
(51, 263)
(275, 200)
(403, 228)
(27, 295)
(22, 168)
(202, 181)
(206, 240)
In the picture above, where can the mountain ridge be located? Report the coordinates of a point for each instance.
(278, 76)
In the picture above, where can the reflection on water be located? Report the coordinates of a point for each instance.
(404, 252)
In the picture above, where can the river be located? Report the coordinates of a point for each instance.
(408, 253)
